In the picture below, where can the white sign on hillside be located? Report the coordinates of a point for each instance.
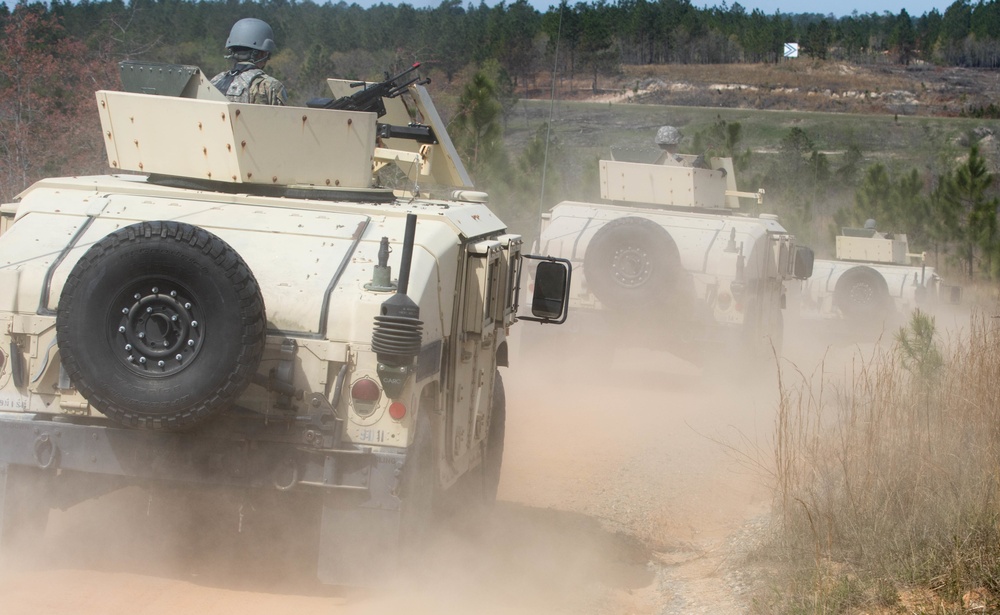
(791, 50)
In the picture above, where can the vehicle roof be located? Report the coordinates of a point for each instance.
(611, 211)
(469, 219)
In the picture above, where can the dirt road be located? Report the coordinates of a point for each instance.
(625, 489)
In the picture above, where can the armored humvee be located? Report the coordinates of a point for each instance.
(668, 260)
(873, 276)
(223, 312)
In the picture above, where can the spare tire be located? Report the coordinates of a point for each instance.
(630, 262)
(862, 295)
(161, 325)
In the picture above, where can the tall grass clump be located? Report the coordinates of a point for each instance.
(887, 482)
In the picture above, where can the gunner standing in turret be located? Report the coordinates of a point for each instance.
(250, 44)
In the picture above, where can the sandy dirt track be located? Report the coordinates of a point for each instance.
(625, 489)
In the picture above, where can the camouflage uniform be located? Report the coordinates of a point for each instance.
(251, 85)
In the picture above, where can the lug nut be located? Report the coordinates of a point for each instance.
(149, 310)
(178, 357)
(187, 306)
(194, 323)
(128, 348)
(121, 329)
(173, 293)
(124, 310)
(142, 359)
(141, 335)
(174, 318)
(190, 342)
(137, 296)
(156, 290)
(160, 363)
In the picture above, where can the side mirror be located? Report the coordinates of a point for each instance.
(550, 295)
(802, 263)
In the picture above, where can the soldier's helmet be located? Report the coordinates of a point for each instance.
(251, 33)
(667, 136)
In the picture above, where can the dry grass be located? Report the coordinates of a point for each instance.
(890, 483)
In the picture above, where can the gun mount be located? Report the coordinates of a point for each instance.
(371, 96)
(214, 142)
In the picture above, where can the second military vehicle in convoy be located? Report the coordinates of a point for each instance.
(668, 260)
(245, 305)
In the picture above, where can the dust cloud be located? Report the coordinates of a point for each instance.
(631, 479)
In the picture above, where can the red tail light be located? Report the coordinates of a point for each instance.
(397, 410)
(365, 394)
(366, 390)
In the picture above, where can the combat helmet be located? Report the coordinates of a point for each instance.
(667, 136)
(251, 33)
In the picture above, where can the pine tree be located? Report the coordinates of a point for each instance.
(476, 128)
(971, 210)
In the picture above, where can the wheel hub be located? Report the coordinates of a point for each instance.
(158, 332)
(631, 266)
(862, 294)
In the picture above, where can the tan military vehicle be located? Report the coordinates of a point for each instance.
(669, 261)
(873, 276)
(245, 306)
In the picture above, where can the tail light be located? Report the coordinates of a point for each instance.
(739, 291)
(397, 410)
(365, 394)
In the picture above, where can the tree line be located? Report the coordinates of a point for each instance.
(593, 37)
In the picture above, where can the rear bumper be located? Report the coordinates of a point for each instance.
(243, 460)
(83, 460)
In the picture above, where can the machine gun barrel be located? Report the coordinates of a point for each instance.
(370, 97)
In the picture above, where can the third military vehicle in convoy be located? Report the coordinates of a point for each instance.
(245, 305)
(873, 277)
(668, 259)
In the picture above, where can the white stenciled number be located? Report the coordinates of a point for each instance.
(13, 402)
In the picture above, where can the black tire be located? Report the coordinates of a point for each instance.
(764, 328)
(161, 325)
(468, 504)
(419, 489)
(493, 457)
(632, 262)
(862, 295)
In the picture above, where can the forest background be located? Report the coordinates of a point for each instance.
(909, 138)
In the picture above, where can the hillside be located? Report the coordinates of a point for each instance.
(800, 85)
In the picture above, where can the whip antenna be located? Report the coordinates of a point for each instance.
(548, 125)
